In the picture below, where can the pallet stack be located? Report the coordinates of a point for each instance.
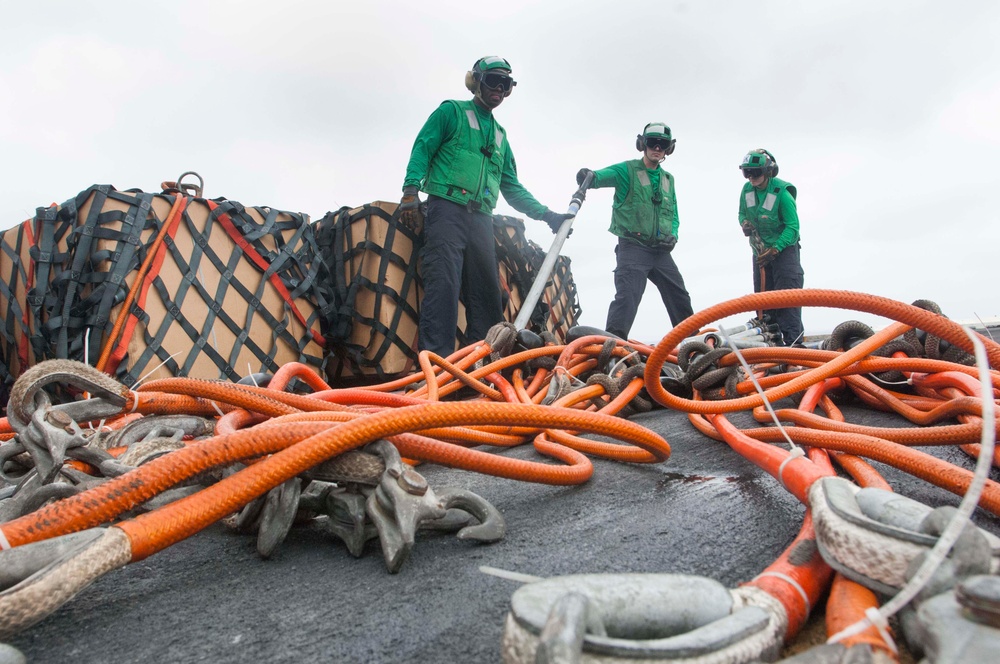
(148, 285)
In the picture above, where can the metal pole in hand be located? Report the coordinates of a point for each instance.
(528, 306)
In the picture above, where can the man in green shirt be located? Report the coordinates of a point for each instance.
(769, 218)
(644, 217)
(461, 159)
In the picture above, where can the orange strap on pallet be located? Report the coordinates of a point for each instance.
(259, 260)
(116, 346)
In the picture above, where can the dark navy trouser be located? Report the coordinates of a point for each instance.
(458, 257)
(785, 271)
(635, 264)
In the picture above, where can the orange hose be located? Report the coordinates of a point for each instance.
(801, 563)
(908, 315)
(846, 606)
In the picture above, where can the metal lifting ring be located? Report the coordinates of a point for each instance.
(190, 189)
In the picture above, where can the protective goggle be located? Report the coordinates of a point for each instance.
(657, 144)
(501, 81)
(752, 172)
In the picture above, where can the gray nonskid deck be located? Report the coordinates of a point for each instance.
(705, 511)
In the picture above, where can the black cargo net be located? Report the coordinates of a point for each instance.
(81, 271)
(558, 308)
(348, 249)
(377, 341)
(287, 262)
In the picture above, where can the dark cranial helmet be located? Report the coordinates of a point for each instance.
(491, 71)
(655, 131)
(759, 162)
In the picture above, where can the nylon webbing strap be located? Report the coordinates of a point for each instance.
(354, 246)
(14, 330)
(103, 273)
(48, 254)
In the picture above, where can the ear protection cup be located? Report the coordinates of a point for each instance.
(670, 148)
(471, 84)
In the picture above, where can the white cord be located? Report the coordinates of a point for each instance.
(153, 370)
(985, 326)
(760, 390)
(510, 576)
(620, 362)
(796, 453)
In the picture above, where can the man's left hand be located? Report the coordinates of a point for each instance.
(555, 221)
(409, 209)
(669, 242)
(766, 256)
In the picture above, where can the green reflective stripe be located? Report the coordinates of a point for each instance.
(643, 178)
(751, 199)
(499, 137)
(769, 201)
(473, 120)
(664, 184)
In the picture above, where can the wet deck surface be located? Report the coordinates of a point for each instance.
(705, 511)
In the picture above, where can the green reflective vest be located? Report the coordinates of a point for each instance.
(647, 213)
(762, 209)
(468, 166)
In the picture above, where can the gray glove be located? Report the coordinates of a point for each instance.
(669, 242)
(747, 228)
(409, 208)
(555, 220)
(766, 256)
(582, 174)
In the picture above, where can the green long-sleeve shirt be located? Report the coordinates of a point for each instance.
(617, 176)
(442, 126)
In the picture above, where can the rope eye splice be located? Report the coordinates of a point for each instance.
(620, 617)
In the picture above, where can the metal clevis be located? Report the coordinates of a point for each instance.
(880, 539)
(366, 495)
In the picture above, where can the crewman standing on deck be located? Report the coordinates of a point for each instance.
(769, 218)
(461, 159)
(644, 217)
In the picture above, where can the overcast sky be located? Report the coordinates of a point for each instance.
(885, 115)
